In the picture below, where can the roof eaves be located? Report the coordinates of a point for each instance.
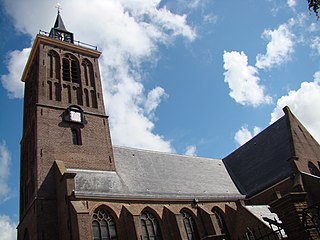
(159, 197)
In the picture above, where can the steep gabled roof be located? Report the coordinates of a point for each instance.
(304, 146)
(264, 160)
(156, 175)
(59, 25)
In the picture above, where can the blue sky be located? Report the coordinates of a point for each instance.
(196, 77)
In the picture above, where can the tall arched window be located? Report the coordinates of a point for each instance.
(54, 65)
(103, 225)
(190, 225)
(90, 89)
(221, 223)
(53, 68)
(88, 73)
(150, 226)
(70, 69)
(66, 69)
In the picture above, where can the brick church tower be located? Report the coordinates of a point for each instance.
(64, 119)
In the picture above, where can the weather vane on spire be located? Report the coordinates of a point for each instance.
(58, 6)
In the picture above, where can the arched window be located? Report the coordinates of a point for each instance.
(88, 73)
(150, 226)
(54, 65)
(70, 69)
(53, 73)
(190, 225)
(76, 137)
(103, 225)
(66, 69)
(220, 221)
(90, 90)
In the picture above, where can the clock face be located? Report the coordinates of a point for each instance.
(60, 36)
(75, 116)
(67, 37)
(63, 36)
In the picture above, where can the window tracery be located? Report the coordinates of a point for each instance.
(103, 225)
(190, 225)
(221, 222)
(150, 226)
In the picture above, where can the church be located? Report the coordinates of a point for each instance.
(75, 184)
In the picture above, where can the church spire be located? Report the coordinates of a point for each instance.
(59, 31)
(59, 25)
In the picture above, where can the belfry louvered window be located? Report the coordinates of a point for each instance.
(103, 225)
(70, 69)
(150, 226)
(190, 225)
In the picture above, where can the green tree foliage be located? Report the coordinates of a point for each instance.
(314, 6)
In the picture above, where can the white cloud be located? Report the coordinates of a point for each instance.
(12, 81)
(128, 32)
(244, 135)
(5, 159)
(313, 27)
(191, 150)
(7, 228)
(292, 3)
(304, 103)
(153, 100)
(186, 4)
(279, 48)
(315, 44)
(210, 18)
(243, 80)
(194, 3)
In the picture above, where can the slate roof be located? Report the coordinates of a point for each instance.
(144, 174)
(263, 161)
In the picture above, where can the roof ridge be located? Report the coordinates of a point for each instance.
(166, 153)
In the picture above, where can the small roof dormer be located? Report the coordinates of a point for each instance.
(59, 31)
